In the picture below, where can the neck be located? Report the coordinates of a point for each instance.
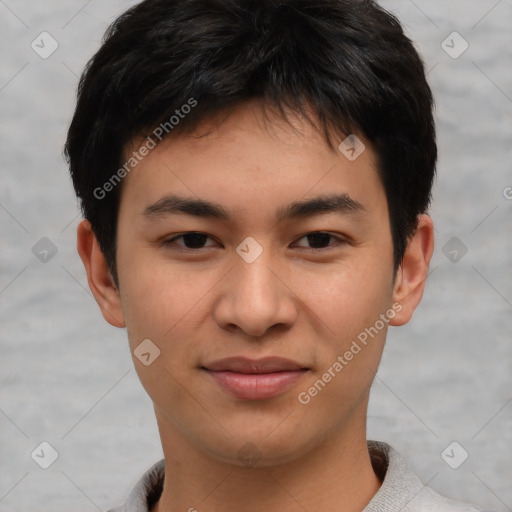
(335, 476)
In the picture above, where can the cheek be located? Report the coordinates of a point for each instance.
(348, 297)
(162, 306)
(157, 303)
(165, 302)
(349, 347)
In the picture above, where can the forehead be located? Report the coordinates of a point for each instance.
(250, 159)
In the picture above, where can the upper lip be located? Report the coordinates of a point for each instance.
(246, 365)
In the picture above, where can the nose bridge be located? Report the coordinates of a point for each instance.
(253, 282)
(254, 298)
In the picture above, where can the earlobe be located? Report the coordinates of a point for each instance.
(99, 277)
(412, 274)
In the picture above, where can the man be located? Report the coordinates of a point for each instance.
(255, 178)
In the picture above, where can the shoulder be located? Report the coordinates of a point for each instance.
(402, 490)
(146, 491)
(430, 500)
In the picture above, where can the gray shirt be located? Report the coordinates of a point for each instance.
(401, 489)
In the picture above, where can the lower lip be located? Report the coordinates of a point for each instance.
(256, 386)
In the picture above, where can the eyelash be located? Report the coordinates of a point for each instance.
(170, 242)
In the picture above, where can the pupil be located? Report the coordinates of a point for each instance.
(194, 240)
(319, 237)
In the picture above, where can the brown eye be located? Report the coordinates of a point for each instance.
(320, 240)
(191, 241)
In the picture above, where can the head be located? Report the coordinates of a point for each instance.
(230, 120)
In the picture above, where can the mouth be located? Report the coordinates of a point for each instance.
(259, 379)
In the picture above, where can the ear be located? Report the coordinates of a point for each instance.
(99, 277)
(413, 271)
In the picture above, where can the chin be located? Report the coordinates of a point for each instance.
(262, 449)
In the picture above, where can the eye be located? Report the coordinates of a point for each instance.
(192, 240)
(322, 238)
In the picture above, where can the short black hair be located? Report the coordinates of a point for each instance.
(348, 61)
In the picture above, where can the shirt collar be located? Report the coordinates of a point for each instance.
(399, 484)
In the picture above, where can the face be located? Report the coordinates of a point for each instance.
(258, 273)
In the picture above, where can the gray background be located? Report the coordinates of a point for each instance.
(67, 376)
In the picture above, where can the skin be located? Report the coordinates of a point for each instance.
(296, 300)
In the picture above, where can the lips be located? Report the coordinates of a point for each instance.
(246, 365)
(251, 379)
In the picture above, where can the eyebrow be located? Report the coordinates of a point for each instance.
(172, 204)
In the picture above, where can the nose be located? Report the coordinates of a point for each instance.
(256, 297)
